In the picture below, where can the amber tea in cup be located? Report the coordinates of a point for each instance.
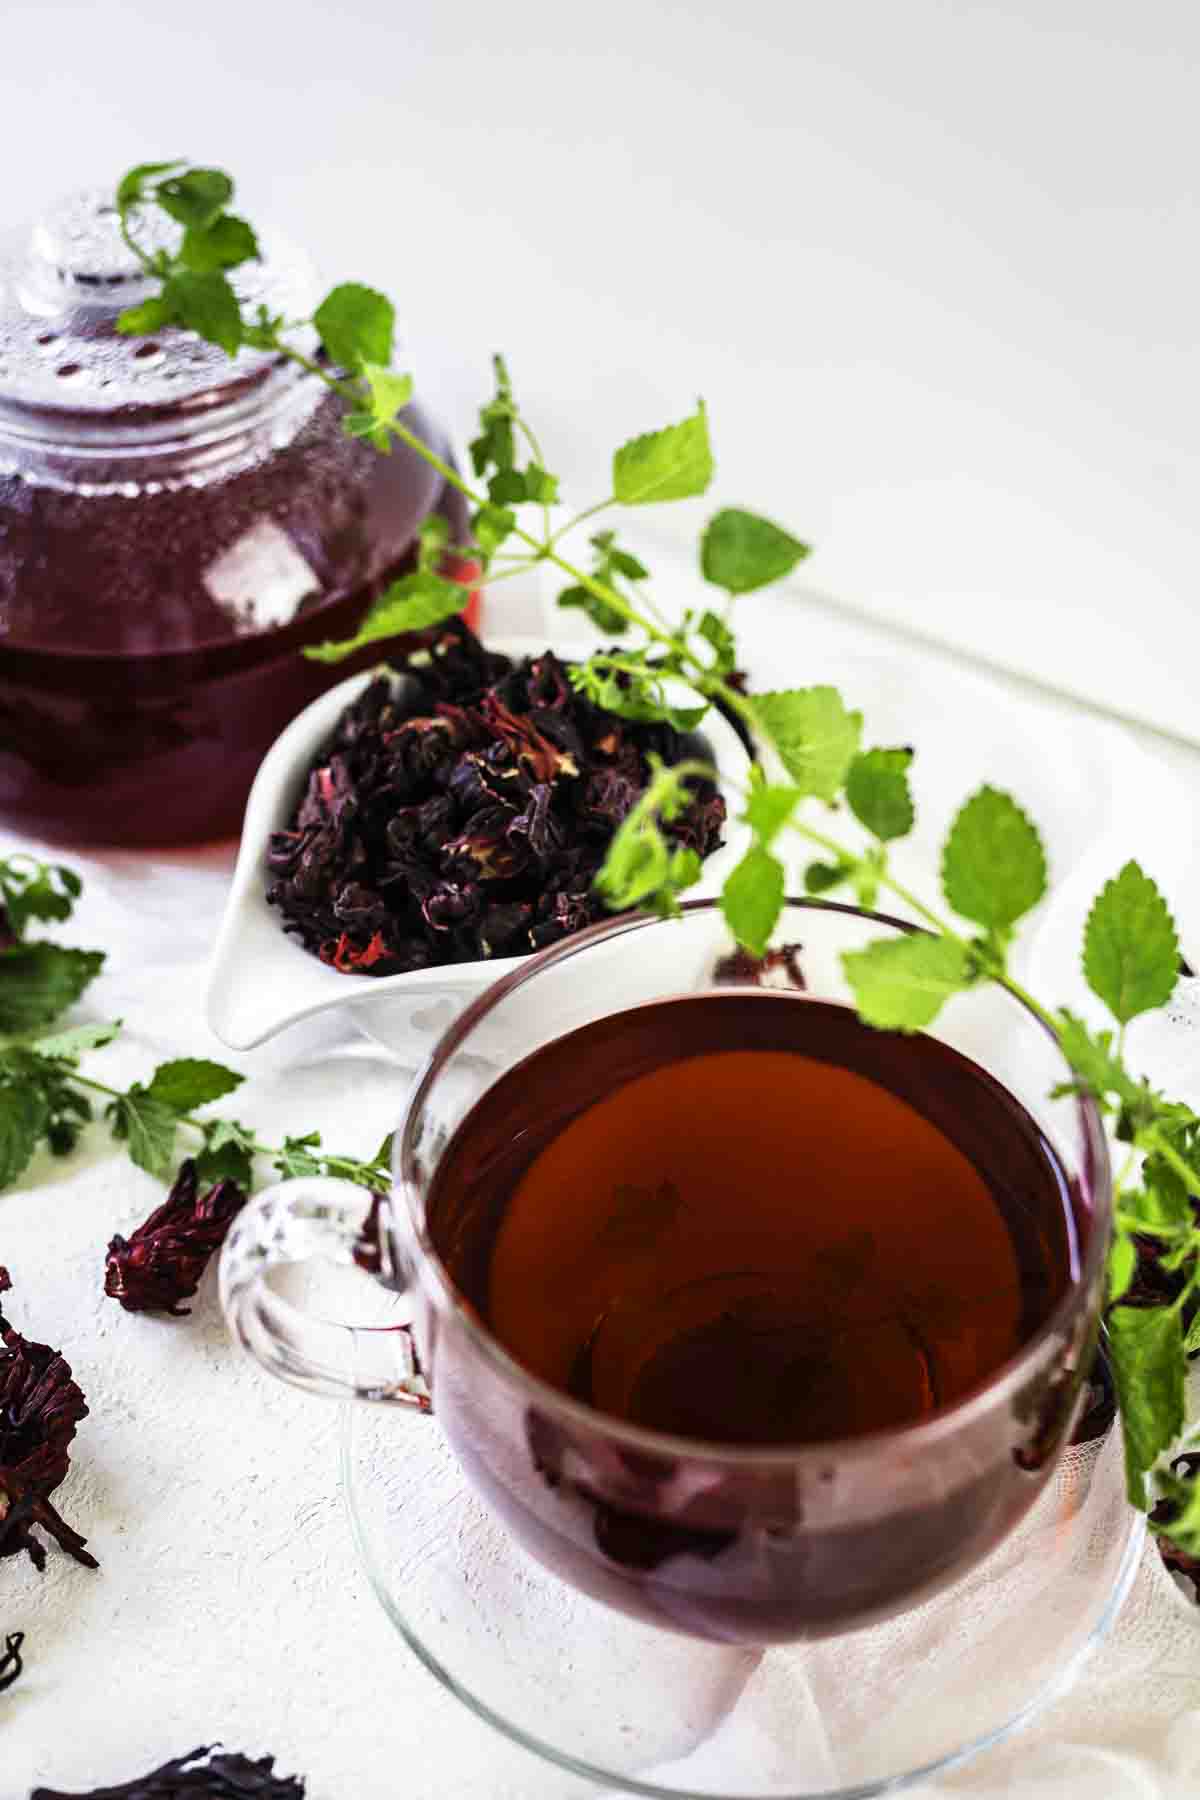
(750, 1220)
(743, 1318)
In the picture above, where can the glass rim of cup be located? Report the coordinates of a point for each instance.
(430, 1272)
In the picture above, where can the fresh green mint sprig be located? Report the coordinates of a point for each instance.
(993, 870)
(47, 1101)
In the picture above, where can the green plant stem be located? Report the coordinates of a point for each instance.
(255, 1146)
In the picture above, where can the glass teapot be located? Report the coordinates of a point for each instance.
(174, 527)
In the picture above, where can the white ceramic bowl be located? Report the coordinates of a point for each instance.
(261, 980)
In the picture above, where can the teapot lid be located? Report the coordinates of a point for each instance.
(63, 284)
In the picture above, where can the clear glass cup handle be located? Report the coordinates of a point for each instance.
(312, 1219)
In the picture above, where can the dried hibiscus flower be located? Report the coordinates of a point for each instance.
(40, 1406)
(201, 1775)
(464, 812)
(161, 1264)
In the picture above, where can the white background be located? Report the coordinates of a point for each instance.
(932, 263)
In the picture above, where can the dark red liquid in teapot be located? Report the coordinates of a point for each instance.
(765, 1224)
(748, 1221)
(150, 642)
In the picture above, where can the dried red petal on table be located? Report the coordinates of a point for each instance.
(161, 1264)
(40, 1406)
(201, 1775)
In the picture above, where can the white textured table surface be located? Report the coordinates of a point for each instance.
(229, 1602)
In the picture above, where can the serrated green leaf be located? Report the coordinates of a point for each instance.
(716, 632)
(507, 488)
(147, 1127)
(813, 734)
(1094, 1060)
(356, 326)
(228, 1154)
(1130, 950)
(491, 526)
(902, 983)
(752, 899)
(741, 552)
(390, 392)
(39, 981)
(540, 487)
(297, 1156)
(1181, 1527)
(31, 889)
(604, 616)
(878, 794)
(132, 186)
(189, 1081)
(993, 863)
(225, 244)
(206, 304)
(24, 1115)
(410, 604)
(70, 1044)
(196, 197)
(1145, 1346)
(768, 808)
(149, 317)
(672, 464)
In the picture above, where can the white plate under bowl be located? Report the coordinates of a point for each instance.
(260, 980)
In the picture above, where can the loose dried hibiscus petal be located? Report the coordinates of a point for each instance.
(161, 1264)
(201, 1775)
(40, 1406)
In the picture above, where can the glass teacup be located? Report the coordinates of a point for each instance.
(733, 1543)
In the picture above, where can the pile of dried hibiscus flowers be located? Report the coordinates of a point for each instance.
(464, 812)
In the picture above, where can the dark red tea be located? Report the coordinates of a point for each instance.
(752, 1220)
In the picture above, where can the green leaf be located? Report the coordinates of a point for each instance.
(604, 616)
(1122, 1267)
(1191, 1342)
(672, 464)
(410, 604)
(540, 487)
(225, 244)
(146, 319)
(1145, 1346)
(189, 1081)
(148, 1127)
(131, 189)
(228, 1154)
(69, 1045)
(1130, 950)
(740, 551)
(356, 326)
(297, 1158)
(877, 792)
(196, 197)
(507, 487)
(822, 878)
(390, 392)
(206, 304)
(902, 983)
(490, 526)
(716, 632)
(813, 734)
(30, 889)
(752, 899)
(768, 809)
(23, 1119)
(39, 981)
(993, 863)
(1094, 1060)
